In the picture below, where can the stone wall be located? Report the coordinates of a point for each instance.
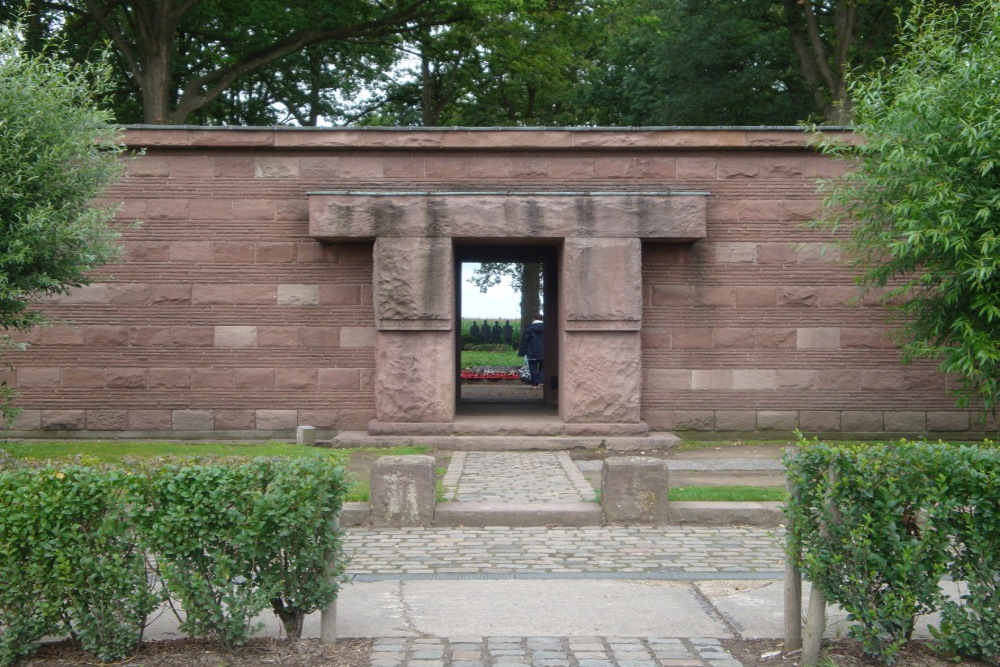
(229, 316)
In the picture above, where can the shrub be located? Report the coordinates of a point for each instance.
(877, 535)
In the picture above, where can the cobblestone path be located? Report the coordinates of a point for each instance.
(515, 476)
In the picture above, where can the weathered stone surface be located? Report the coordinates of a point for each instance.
(345, 216)
(605, 383)
(402, 491)
(414, 376)
(413, 283)
(634, 489)
(603, 291)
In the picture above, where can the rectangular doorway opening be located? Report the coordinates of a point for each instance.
(506, 321)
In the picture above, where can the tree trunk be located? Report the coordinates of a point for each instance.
(531, 293)
(291, 618)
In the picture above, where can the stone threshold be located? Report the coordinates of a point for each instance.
(654, 441)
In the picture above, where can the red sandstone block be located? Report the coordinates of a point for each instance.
(777, 339)
(339, 378)
(191, 251)
(731, 253)
(655, 339)
(701, 139)
(795, 379)
(149, 420)
(836, 296)
(739, 167)
(348, 253)
(276, 420)
(274, 253)
(97, 293)
(861, 421)
(211, 378)
(614, 167)
(735, 420)
(27, 420)
(320, 337)
(63, 420)
(748, 296)
(484, 166)
(797, 297)
(279, 168)
(85, 377)
(781, 167)
(105, 336)
(361, 167)
(298, 295)
(715, 296)
(947, 421)
(193, 336)
(191, 166)
(654, 167)
(693, 420)
(367, 379)
(532, 167)
(319, 418)
(148, 251)
(235, 336)
(167, 209)
(668, 379)
(905, 421)
(295, 378)
(57, 334)
(230, 138)
(754, 379)
(367, 295)
(405, 167)
(131, 210)
(722, 210)
(235, 252)
(107, 420)
(698, 167)
(38, 377)
(839, 379)
(818, 338)
(170, 294)
(253, 209)
(800, 210)
(319, 167)
(357, 337)
(776, 253)
(684, 338)
(292, 209)
(672, 295)
(777, 420)
(733, 338)
(817, 253)
(128, 293)
(212, 294)
(312, 252)
(268, 336)
(446, 166)
(339, 295)
(863, 339)
(711, 379)
(882, 379)
(253, 378)
(169, 378)
(256, 294)
(150, 336)
(125, 378)
(148, 166)
(157, 137)
(760, 210)
(211, 209)
(192, 420)
(227, 166)
(565, 168)
(929, 379)
(822, 167)
(819, 421)
(234, 420)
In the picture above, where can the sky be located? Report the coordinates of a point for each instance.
(500, 302)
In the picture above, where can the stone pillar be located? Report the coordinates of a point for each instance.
(600, 350)
(634, 489)
(402, 491)
(414, 351)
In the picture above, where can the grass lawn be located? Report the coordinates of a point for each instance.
(356, 461)
(477, 358)
(728, 493)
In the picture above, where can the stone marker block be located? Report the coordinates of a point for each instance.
(305, 435)
(402, 491)
(634, 489)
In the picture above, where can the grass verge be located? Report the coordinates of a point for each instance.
(728, 493)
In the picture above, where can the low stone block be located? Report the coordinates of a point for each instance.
(777, 420)
(948, 421)
(634, 489)
(735, 420)
(63, 420)
(402, 491)
(193, 420)
(861, 421)
(305, 435)
(905, 421)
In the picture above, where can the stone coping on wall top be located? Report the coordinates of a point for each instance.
(506, 193)
(472, 138)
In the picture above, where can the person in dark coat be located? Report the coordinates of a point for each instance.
(533, 350)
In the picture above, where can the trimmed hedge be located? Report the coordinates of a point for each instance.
(876, 527)
(92, 551)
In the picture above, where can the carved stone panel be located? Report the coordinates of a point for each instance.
(413, 283)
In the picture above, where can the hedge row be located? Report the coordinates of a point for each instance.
(91, 552)
(875, 528)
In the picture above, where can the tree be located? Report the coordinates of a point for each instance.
(923, 200)
(57, 154)
(525, 278)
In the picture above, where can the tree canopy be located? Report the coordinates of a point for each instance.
(58, 153)
(923, 200)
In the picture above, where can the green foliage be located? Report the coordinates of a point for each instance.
(727, 493)
(473, 342)
(508, 359)
(876, 527)
(80, 548)
(923, 200)
(57, 155)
